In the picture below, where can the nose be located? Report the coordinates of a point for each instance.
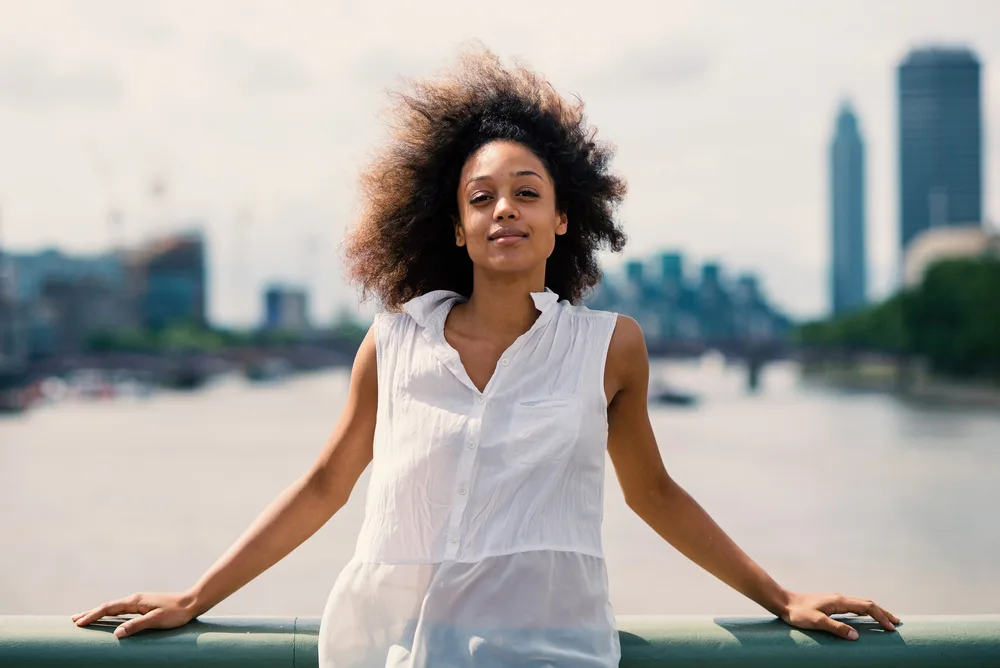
(504, 210)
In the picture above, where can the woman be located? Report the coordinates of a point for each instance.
(485, 399)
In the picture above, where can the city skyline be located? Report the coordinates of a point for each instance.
(258, 123)
(31, 271)
(678, 302)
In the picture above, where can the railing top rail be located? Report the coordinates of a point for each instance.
(648, 642)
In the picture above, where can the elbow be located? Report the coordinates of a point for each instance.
(653, 498)
(331, 494)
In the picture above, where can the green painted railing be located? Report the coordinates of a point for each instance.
(647, 642)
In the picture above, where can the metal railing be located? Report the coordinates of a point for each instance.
(647, 642)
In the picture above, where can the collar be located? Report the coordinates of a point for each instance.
(429, 310)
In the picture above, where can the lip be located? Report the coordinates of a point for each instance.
(507, 236)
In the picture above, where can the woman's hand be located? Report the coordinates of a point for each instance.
(159, 611)
(812, 611)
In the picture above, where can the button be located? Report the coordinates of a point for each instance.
(505, 361)
(480, 399)
(472, 444)
(462, 491)
(452, 539)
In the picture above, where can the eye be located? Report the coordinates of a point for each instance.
(479, 198)
(527, 192)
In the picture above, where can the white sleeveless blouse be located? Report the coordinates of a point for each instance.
(481, 544)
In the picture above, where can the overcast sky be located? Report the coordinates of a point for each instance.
(255, 118)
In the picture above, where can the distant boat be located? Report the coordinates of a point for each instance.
(185, 378)
(54, 389)
(16, 399)
(12, 401)
(15, 396)
(673, 397)
(268, 370)
(662, 393)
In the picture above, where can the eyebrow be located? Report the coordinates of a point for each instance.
(523, 172)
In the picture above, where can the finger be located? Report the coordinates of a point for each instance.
(861, 606)
(125, 606)
(133, 626)
(78, 616)
(893, 618)
(878, 614)
(839, 629)
(92, 615)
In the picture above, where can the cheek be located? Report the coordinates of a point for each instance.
(475, 226)
(547, 244)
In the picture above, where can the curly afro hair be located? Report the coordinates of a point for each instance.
(403, 245)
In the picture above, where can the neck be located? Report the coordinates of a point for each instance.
(503, 304)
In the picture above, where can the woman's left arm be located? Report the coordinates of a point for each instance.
(670, 511)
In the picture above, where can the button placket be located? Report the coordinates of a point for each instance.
(463, 479)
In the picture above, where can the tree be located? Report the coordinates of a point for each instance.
(952, 319)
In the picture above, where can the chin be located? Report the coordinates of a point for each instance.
(511, 265)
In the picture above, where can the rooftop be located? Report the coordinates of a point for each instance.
(937, 55)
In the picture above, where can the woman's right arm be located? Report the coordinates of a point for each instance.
(295, 515)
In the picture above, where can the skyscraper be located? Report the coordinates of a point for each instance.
(170, 276)
(848, 265)
(286, 309)
(940, 141)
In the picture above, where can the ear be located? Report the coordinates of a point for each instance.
(459, 232)
(562, 224)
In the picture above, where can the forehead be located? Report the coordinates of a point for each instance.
(501, 157)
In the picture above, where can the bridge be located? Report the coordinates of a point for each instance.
(324, 354)
(189, 369)
(736, 350)
(646, 642)
(167, 365)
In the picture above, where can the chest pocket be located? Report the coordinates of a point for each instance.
(543, 430)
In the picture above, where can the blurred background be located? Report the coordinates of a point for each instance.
(812, 257)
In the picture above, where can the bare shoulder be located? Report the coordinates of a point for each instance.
(628, 360)
(627, 337)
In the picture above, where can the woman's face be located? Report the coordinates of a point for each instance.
(507, 209)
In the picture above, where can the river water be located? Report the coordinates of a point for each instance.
(862, 494)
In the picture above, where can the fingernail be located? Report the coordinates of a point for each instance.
(852, 635)
(120, 632)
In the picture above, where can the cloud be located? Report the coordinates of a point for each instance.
(381, 67)
(654, 67)
(140, 25)
(30, 80)
(258, 71)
